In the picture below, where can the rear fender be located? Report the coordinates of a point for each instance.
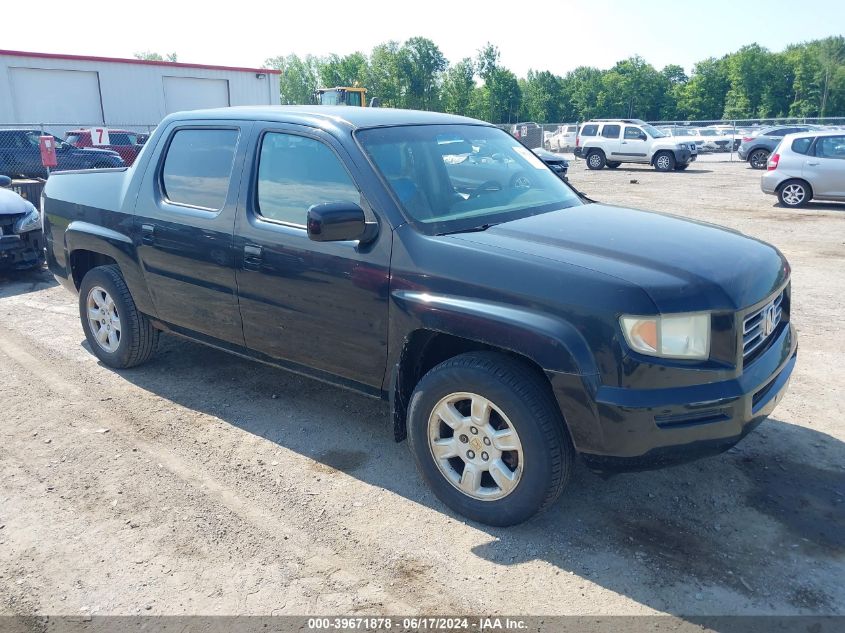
(116, 245)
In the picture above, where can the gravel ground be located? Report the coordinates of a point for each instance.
(205, 484)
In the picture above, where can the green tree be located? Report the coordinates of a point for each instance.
(298, 78)
(703, 96)
(385, 77)
(421, 64)
(349, 70)
(156, 57)
(458, 86)
(541, 97)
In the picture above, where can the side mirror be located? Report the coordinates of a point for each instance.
(339, 222)
(5, 181)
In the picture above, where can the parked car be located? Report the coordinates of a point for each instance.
(510, 328)
(807, 166)
(611, 142)
(21, 239)
(529, 133)
(563, 140)
(555, 162)
(20, 155)
(757, 147)
(124, 142)
(687, 134)
(714, 140)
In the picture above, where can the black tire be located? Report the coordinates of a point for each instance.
(596, 159)
(681, 167)
(759, 158)
(612, 164)
(795, 193)
(518, 391)
(137, 336)
(664, 161)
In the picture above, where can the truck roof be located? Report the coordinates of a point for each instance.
(319, 116)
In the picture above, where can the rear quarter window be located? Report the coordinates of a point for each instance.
(611, 131)
(801, 145)
(198, 166)
(589, 130)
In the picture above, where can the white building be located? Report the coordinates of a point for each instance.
(71, 90)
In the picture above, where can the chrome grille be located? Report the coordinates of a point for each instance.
(760, 325)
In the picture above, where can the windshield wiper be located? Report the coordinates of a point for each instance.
(472, 229)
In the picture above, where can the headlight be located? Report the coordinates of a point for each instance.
(669, 336)
(29, 222)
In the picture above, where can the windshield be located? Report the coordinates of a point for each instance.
(329, 97)
(461, 177)
(653, 132)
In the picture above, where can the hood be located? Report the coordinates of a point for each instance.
(683, 265)
(12, 204)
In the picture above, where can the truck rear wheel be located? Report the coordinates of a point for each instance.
(596, 159)
(118, 334)
(489, 439)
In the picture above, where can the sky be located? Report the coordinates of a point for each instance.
(539, 34)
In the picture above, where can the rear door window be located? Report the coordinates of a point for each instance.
(198, 167)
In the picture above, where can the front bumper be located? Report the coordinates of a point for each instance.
(20, 252)
(684, 156)
(630, 429)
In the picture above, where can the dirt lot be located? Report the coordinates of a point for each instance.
(205, 484)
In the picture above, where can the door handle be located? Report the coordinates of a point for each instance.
(148, 233)
(252, 257)
(813, 164)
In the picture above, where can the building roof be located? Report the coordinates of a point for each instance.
(350, 116)
(145, 62)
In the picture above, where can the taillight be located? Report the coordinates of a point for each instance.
(747, 139)
(773, 162)
(577, 141)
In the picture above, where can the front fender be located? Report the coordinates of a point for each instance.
(551, 343)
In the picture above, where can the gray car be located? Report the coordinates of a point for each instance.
(806, 166)
(756, 149)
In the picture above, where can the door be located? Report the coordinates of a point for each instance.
(634, 145)
(610, 141)
(184, 224)
(826, 170)
(321, 307)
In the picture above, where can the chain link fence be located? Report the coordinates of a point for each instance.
(33, 151)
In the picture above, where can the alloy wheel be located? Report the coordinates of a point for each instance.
(793, 194)
(475, 446)
(103, 319)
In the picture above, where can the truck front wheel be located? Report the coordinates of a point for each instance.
(118, 334)
(488, 438)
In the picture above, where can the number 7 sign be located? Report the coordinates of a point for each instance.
(100, 136)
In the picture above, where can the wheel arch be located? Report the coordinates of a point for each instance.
(791, 180)
(447, 327)
(89, 245)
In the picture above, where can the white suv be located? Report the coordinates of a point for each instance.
(614, 141)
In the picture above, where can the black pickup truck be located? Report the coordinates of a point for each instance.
(511, 325)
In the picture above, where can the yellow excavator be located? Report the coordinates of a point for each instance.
(342, 95)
